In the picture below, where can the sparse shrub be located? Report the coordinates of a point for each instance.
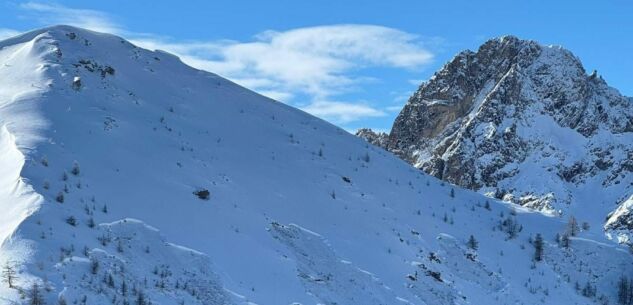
(75, 170)
(585, 226)
(71, 221)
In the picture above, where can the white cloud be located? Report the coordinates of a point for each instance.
(6, 33)
(275, 95)
(319, 63)
(416, 82)
(58, 14)
(341, 112)
(394, 108)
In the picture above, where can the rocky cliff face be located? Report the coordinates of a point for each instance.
(522, 122)
(379, 139)
(620, 222)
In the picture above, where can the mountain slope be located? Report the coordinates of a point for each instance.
(525, 123)
(104, 144)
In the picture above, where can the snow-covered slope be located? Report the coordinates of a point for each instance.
(525, 123)
(104, 144)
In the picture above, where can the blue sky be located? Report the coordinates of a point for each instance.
(353, 63)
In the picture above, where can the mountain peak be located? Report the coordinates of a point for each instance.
(522, 122)
(56, 32)
(129, 177)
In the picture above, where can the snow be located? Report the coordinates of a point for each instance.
(623, 213)
(281, 226)
(539, 132)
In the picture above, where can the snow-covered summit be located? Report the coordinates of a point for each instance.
(525, 123)
(128, 177)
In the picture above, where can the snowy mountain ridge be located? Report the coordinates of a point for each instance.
(127, 177)
(524, 123)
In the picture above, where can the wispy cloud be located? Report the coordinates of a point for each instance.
(416, 82)
(47, 13)
(314, 64)
(396, 108)
(6, 33)
(342, 112)
(318, 62)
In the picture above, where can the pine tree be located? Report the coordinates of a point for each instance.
(538, 247)
(94, 266)
(511, 226)
(623, 291)
(91, 222)
(630, 292)
(472, 243)
(110, 281)
(565, 241)
(35, 296)
(9, 274)
(60, 197)
(572, 226)
(140, 299)
(589, 290)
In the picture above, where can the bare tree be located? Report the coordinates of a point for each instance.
(9, 274)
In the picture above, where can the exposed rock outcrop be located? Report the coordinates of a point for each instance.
(522, 122)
